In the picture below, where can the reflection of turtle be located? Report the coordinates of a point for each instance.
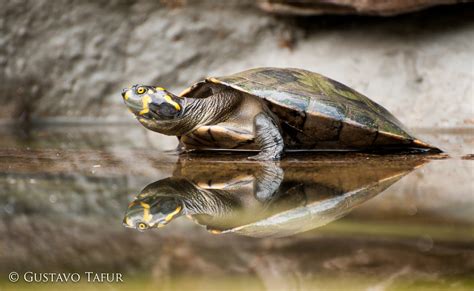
(263, 202)
(269, 109)
(166, 199)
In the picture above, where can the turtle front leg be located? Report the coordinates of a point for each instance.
(268, 138)
(268, 181)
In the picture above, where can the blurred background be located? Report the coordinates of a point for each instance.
(72, 157)
(68, 60)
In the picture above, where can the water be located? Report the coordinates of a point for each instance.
(73, 199)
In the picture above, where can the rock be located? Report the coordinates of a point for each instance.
(81, 54)
(67, 62)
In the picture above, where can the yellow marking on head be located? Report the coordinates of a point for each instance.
(146, 212)
(127, 94)
(215, 231)
(146, 215)
(145, 101)
(160, 89)
(127, 221)
(170, 101)
(172, 214)
(150, 91)
(144, 111)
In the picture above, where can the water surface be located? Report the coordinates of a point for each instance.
(319, 221)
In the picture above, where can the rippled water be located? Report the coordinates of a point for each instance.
(118, 200)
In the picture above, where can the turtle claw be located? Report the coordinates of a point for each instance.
(179, 152)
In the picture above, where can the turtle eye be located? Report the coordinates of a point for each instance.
(141, 90)
(142, 226)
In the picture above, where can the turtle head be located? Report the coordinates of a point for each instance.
(152, 103)
(152, 212)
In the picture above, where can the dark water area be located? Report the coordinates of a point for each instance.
(119, 200)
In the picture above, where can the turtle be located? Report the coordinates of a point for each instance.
(237, 197)
(271, 110)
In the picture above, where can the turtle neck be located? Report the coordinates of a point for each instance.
(197, 112)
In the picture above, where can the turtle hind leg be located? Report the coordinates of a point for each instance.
(268, 138)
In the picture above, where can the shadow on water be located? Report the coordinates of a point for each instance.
(263, 199)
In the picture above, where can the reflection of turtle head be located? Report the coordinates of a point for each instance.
(167, 199)
(149, 212)
(156, 205)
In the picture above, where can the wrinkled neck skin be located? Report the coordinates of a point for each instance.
(197, 112)
(196, 200)
(210, 202)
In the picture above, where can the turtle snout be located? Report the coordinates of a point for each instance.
(127, 93)
(124, 91)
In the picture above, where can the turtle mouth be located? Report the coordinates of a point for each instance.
(127, 94)
(147, 116)
(135, 107)
(141, 107)
(124, 92)
(128, 222)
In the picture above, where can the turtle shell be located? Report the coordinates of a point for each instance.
(315, 214)
(312, 194)
(315, 111)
